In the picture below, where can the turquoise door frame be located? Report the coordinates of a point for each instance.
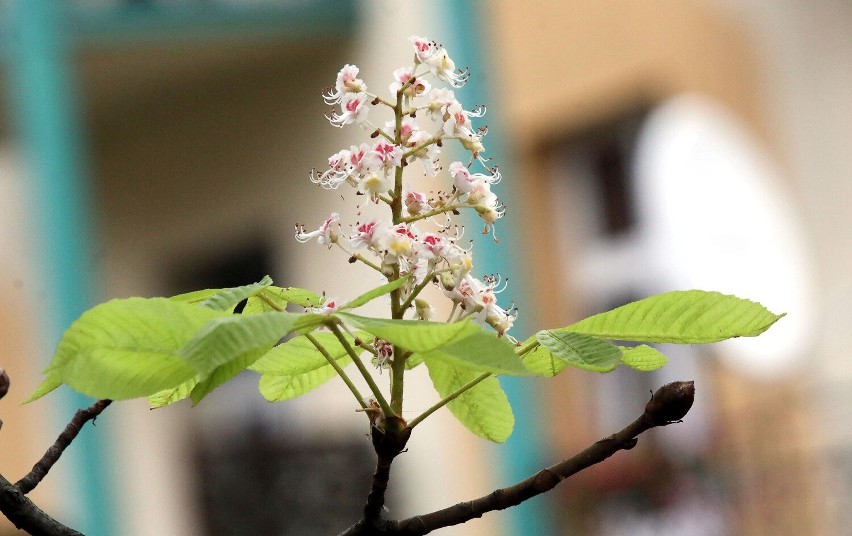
(38, 40)
(51, 138)
(524, 453)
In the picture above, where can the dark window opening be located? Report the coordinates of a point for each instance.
(602, 157)
(261, 473)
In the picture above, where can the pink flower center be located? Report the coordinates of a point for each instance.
(353, 105)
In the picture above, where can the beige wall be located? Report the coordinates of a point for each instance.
(567, 66)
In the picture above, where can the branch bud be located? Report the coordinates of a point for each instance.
(4, 383)
(670, 403)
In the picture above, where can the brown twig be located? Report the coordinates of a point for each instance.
(668, 405)
(40, 469)
(25, 515)
(389, 438)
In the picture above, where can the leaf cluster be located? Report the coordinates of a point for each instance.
(170, 349)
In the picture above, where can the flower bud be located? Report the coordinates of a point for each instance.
(488, 214)
(670, 403)
(4, 383)
(423, 309)
(448, 280)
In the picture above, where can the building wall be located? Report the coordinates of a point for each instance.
(566, 67)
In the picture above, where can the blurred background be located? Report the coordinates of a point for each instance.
(151, 147)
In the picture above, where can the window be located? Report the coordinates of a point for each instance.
(266, 469)
(664, 486)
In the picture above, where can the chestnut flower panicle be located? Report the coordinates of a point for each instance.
(396, 245)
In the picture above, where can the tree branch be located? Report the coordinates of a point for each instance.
(667, 406)
(389, 436)
(40, 469)
(14, 503)
(25, 515)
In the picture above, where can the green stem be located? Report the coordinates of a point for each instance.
(527, 348)
(449, 398)
(385, 135)
(377, 393)
(415, 291)
(434, 212)
(423, 145)
(458, 392)
(333, 362)
(269, 302)
(361, 258)
(398, 364)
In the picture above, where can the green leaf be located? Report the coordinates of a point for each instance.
(172, 395)
(481, 351)
(127, 348)
(413, 360)
(484, 409)
(683, 317)
(224, 339)
(49, 384)
(643, 357)
(413, 335)
(299, 355)
(223, 373)
(298, 296)
(227, 299)
(581, 351)
(196, 297)
(375, 293)
(279, 387)
(541, 362)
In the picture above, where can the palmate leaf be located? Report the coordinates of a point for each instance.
(299, 355)
(227, 338)
(413, 335)
(483, 409)
(581, 351)
(197, 297)
(481, 351)
(684, 317)
(127, 348)
(274, 298)
(365, 298)
(227, 299)
(643, 357)
(542, 362)
(223, 373)
(296, 367)
(224, 348)
(173, 394)
(280, 387)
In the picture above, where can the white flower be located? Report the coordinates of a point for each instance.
(436, 58)
(440, 99)
(424, 48)
(325, 235)
(376, 184)
(385, 156)
(399, 241)
(416, 203)
(353, 109)
(347, 82)
(368, 236)
(328, 307)
(359, 163)
(475, 186)
(336, 173)
(402, 76)
(428, 154)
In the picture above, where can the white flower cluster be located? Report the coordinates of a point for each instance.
(376, 170)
